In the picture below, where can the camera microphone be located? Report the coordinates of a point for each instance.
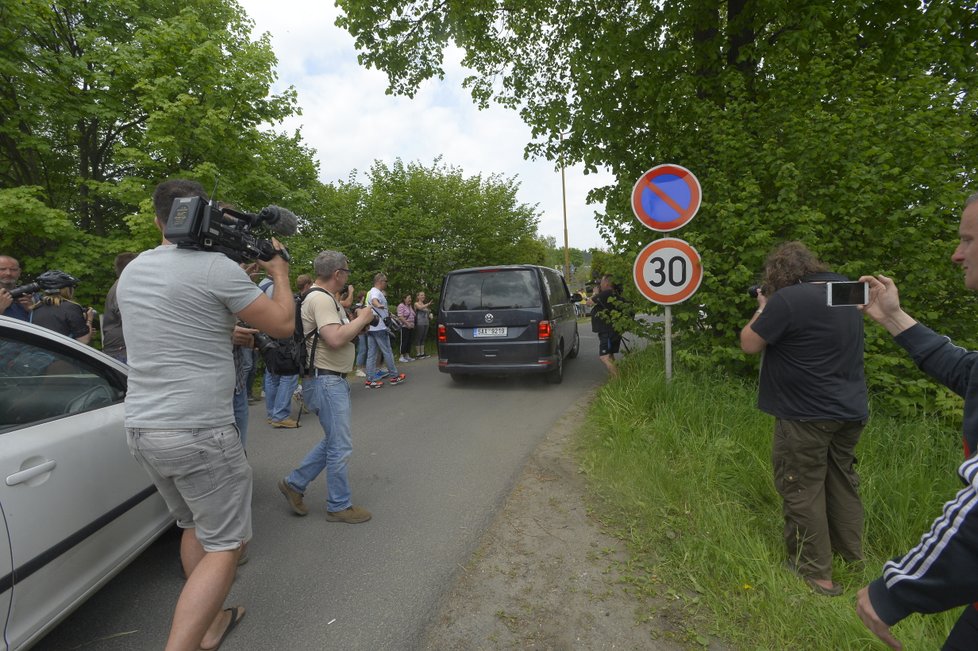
(280, 220)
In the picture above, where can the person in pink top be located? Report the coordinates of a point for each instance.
(405, 314)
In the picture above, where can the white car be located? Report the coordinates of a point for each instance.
(76, 506)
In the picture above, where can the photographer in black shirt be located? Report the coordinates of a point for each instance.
(609, 340)
(812, 382)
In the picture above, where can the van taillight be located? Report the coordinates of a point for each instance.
(543, 330)
(442, 333)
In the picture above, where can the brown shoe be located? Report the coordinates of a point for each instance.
(352, 515)
(294, 497)
(288, 423)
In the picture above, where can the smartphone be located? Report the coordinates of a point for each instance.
(847, 293)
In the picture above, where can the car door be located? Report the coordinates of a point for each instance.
(77, 505)
(6, 575)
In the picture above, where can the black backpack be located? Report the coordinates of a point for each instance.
(291, 355)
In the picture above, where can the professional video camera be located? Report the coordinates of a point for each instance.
(51, 280)
(197, 224)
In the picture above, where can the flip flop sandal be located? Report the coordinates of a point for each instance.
(235, 618)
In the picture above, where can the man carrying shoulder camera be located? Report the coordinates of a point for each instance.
(178, 307)
(812, 382)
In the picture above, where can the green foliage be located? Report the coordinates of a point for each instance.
(683, 475)
(100, 101)
(847, 125)
(416, 223)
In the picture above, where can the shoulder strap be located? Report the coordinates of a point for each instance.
(315, 331)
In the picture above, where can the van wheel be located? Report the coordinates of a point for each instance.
(556, 376)
(577, 346)
(458, 378)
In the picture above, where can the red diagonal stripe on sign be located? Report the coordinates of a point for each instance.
(665, 197)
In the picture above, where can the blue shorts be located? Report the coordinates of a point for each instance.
(608, 343)
(204, 477)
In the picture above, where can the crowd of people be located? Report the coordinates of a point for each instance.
(184, 420)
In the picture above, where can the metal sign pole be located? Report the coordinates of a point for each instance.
(668, 322)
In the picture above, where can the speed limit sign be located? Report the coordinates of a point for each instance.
(668, 271)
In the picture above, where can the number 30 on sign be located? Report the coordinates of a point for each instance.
(668, 271)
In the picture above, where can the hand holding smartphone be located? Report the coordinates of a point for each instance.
(847, 293)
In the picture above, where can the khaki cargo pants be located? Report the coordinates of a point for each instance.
(814, 472)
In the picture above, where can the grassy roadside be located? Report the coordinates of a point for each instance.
(682, 473)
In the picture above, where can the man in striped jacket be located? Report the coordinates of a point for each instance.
(941, 572)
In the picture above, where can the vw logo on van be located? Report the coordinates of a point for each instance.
(489, 317)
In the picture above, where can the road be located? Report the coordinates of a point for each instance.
(433, 461)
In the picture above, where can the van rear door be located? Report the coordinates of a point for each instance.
(491, 315)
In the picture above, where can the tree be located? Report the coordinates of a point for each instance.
(99, 101)
(415, 223)
(845, 124)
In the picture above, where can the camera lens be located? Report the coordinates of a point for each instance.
(752, 290)
(264, 342)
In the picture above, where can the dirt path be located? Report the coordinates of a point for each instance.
(544, 576)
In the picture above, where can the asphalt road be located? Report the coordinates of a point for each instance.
(433, 460)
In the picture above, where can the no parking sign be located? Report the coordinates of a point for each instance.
(666, 197)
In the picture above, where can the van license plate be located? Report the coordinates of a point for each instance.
(490, 332)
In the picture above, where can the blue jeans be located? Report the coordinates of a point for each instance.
(328, 396)
(278, 395)
(252, 372)
(379, 340)
(361, 350)
(240, 404)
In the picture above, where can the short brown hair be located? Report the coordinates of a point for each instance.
(122, 260)
(167, 191)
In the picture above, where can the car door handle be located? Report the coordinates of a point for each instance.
(31, 473)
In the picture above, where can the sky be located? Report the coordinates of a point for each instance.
(350, 121)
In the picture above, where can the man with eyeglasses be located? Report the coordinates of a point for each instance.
(325, 391)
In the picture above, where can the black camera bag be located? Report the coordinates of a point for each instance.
(290, 355)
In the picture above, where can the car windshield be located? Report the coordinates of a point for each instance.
(492, 290)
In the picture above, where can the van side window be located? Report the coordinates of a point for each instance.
(556, 289)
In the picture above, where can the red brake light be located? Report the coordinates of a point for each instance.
(442, 333)
(543, 330)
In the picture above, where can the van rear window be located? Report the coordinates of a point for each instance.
(492, 290)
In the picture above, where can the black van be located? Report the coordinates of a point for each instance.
(506, 319)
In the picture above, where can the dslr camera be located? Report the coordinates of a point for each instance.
(264, 342)
(198, 224)
(373, 322)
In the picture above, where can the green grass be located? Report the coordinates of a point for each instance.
(681, 472)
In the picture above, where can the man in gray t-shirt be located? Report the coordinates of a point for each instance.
(178, 310)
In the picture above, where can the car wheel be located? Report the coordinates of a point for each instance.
(556, 376)
(576, 348)
(458, 378)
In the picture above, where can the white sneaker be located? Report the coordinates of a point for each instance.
(360, 373)
(403, 359)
